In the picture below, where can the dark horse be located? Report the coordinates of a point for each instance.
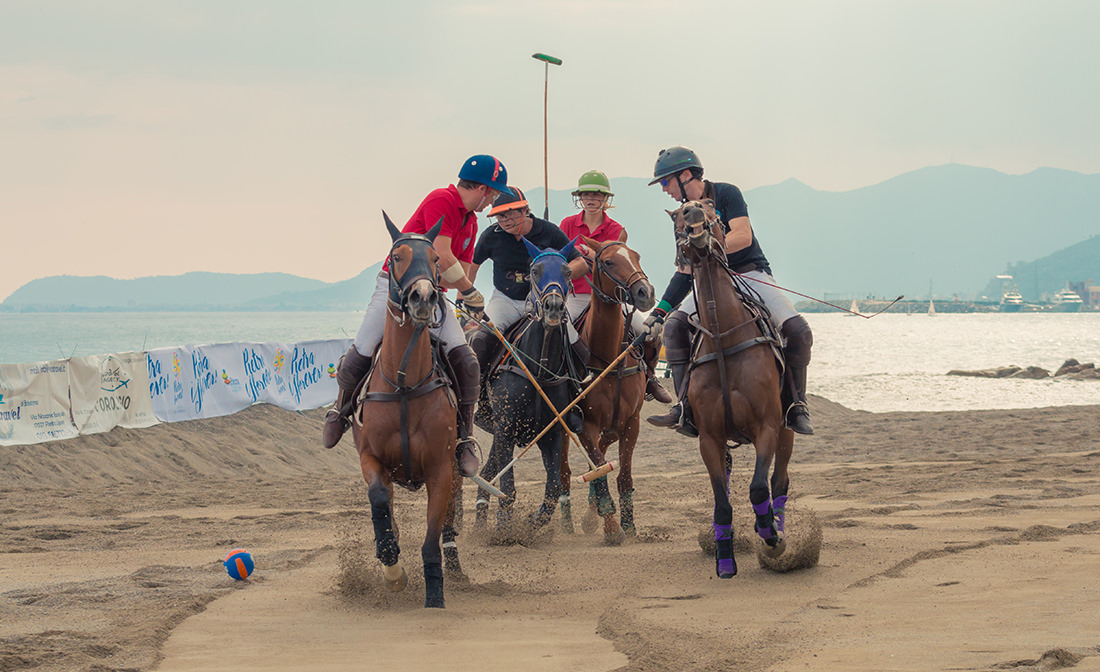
(735, 385)
(405, 424)
(519, 411)
(612, 407)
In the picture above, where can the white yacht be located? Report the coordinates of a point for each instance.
(1012, 301)
(1067, 301)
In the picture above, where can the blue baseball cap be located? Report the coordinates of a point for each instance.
(487, 170)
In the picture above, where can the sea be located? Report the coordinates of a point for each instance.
(890, 362)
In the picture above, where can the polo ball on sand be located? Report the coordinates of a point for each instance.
(239, 564)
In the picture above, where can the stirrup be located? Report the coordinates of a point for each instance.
(797, 419)
(464, 447)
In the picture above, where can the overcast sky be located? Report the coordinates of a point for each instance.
(155, 138)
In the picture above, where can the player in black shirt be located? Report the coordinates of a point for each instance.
(680, 174)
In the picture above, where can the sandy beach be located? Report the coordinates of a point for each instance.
(951, 541)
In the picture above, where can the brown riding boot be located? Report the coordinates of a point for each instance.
(350, 370)
(678, 417)
(653, 387)
(797, 417)
(464, 363)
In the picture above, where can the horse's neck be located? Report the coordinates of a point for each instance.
(713, 284)
(604, 328)
(395, 341)
(538, 340)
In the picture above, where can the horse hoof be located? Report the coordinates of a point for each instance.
(396, 578)
(774, 550)
(613, 535)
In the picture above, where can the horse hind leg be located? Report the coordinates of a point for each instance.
(385, 543)
(760, 497)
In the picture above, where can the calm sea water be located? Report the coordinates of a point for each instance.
(892, 362)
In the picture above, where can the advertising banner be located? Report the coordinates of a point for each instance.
(34, 403)
(207, 381)
(110, 391)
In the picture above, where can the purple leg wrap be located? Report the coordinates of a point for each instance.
(779, 508)
(763, 509)
(723, 551)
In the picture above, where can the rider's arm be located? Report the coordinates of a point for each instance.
(447, 262)
(578, 268)
(471, 272)
(739, 236)
(679, 286)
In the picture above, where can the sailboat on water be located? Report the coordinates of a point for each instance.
(853, 310)
(931, 308)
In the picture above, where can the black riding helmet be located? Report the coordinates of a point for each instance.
(673, 161)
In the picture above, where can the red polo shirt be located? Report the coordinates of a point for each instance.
(458, 222)
(574, 226)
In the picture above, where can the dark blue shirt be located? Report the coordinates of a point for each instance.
(511, 261)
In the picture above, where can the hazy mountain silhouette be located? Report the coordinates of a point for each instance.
(954, 226)
(1043, 277)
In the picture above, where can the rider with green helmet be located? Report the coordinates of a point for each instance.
(593, 196)
(680, 174)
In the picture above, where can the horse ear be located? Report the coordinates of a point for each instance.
(592, 244)
(434, 231)
(395, 233)
(531, 249)
(569, 247)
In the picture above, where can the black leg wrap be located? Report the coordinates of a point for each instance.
(385, 544)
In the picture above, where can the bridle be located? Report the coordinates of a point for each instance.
(540, 291)
(420, 268)
(621, 290)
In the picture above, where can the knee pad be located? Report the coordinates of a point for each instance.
(677, 337)
(799, 339)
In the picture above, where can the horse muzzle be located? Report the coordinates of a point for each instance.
(421, 298)
(642, 295)
(553, 310)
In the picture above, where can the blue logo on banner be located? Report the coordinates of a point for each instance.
(303, 372)
(259, 376)
(204, 379)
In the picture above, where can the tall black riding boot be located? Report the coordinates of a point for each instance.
(653, 387)
(679, 416)
(799, 339)
(350, 370)
(485, 346)
(574, 419)
(464, 363)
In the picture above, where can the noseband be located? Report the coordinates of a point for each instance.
(621, 292)
(420, 268)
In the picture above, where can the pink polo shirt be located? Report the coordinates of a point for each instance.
(607, 231)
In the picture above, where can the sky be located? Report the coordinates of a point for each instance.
(243, 136)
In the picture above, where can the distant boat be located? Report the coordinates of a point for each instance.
(853, 310)
(931, 308)
(1012, 301)
(1067, 301)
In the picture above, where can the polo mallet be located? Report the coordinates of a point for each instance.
(605, 468)
(558, 416)
(548, 60)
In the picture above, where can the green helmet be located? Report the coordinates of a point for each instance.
(595, 181)
(673, 161)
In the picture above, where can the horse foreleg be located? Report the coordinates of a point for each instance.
(625, 479)
(386, 548)
(550, 446)
(566, 488)
(713, 451)
(759, 491)
(451, 563)
(781, 481)
(439, 498)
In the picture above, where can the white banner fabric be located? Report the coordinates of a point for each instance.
(207, 381)
(110, 391)
(34, 403)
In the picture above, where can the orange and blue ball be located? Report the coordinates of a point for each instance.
(239, 564)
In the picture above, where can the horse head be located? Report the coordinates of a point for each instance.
(697, 230)
(414, 273)
(549, 278)
(619, 266)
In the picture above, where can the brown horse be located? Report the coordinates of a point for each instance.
(405, 425)
(611, 409)
(735, 385)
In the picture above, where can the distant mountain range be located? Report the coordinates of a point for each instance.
(951, 228)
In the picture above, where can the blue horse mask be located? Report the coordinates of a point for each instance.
(549, 281)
